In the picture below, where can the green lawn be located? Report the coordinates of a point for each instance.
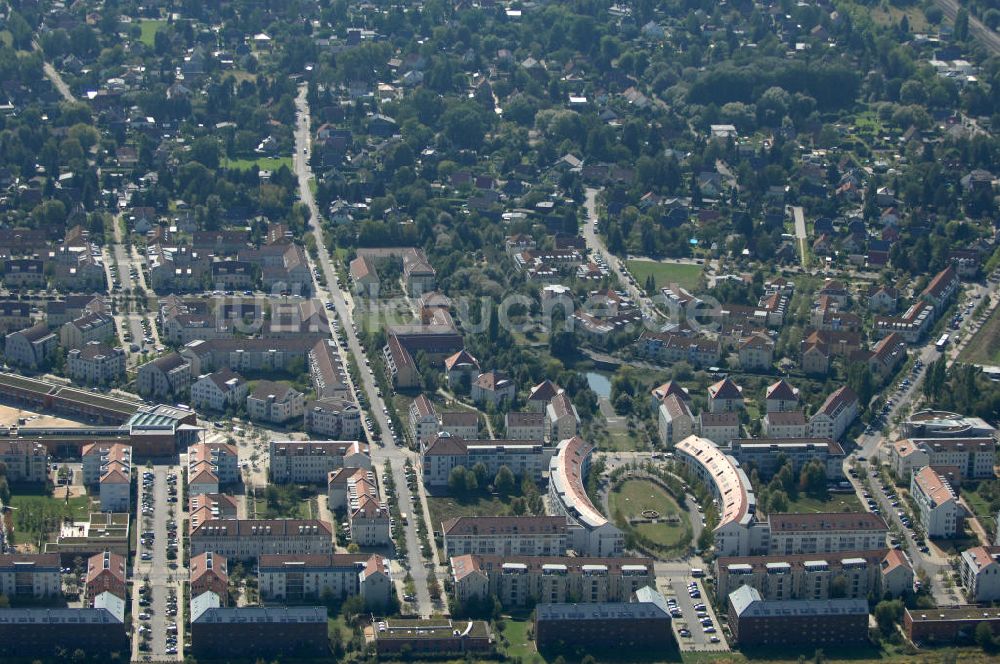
(984, 347)
(634, 496)
(622, 441)
(33, 514)
(516, 633)
(443, 508)
(979, 505)
(683, 274)
(263, 163)
(6, 38)
(149, 29)
(837, 502)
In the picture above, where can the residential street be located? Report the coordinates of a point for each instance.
(384, 448)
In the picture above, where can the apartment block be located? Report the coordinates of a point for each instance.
(252, 632)
(30, 575)
(974, 457)
(765, 453)
(506, 535)
(525, 426)
(106, 572)
(333, 417)
(168, 375)
(445, 452)
(25, 461)
(109, 467)
(221, 459)
(275, 403)
(593, 535)
(96, 363)
(50, 633)
(355, 490)
(796, 622)
(219, 391)
(525, 580)
(937, 504)
(246, 539)
(835, 415)
(315, 577)
(828, 532)
(980, 571)
(32, 347)
(312, 461)
(641, 623)
(674, 420)
(209, 572)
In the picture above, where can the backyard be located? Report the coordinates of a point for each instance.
(835, 502)
(443, 508)
(35, 514)
(284, 502)
(149, 29)
(262, 163)
(634, 497)
(684, 275)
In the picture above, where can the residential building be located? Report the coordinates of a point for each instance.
(26, 461)
(96, 364)
(596, 536)
(941, 288)
(221, 459)
(836, 414)
(251, 632)
(755, 621)
(720, 427)
(105, 573)
(251, 355)
(167, 375)
(436, 637)
(316, 577)
(445, 452)
(329, 377)
(756, 353)
(364, 277)
(493, 387)
(207, 506)
(247, 539)
(30, 575)
(980, 572)
(541, 395)
(209, 572)
(937, 504)
(50, 633)
(724, 396)
(668, 349)
(851, 574)
(911, 325)
(642, 624)
(674, 420)
(828, 532)
(973, 457)
(274, 402)
(781, 396)
(333, 417)
(464, 424)
(109, 467)
(897, 574)
(102, 531)
(219, 391)
(401, 370)
(658, 394)
(736, 534)
(460, 370)
(89, 327)
(30, 348)
(525, 425)
(886, 356)
(423, 419)
(763, 454)
(312, 461)
(945, 626)
(785, 424)
(506, 535)
(561, 418)
(14, 315)
(355, 490)
(522, 581)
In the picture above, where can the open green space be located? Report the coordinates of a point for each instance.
(984, 347)
(443, 508)
(632, 497)
(283, 502)
(149, 29)
(262, 163)
(518, 644)
(683, 274)
(34, 514)
(836, 502)
(980, 497)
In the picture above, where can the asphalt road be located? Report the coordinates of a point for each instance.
(385, 447)
(800, 233)
(161, 576)
(54, 76)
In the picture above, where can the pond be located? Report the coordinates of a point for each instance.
(599, 383)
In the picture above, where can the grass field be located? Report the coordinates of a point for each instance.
(683, 274)
(263, 163)
(443, 508)
(984, 347)
(979, 505)
(634, 496)
(837, 502)
(516, 633)
(149, 29)
(33, 514)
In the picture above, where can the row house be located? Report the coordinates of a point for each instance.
(671, 348)
(915, 322)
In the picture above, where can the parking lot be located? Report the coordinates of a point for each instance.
(696, 626)
(156, 609)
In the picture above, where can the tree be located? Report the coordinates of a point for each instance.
(504, 482)
(887, 614)
(812, 480)
(481, 472)
(984, 637)
(456, 479)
